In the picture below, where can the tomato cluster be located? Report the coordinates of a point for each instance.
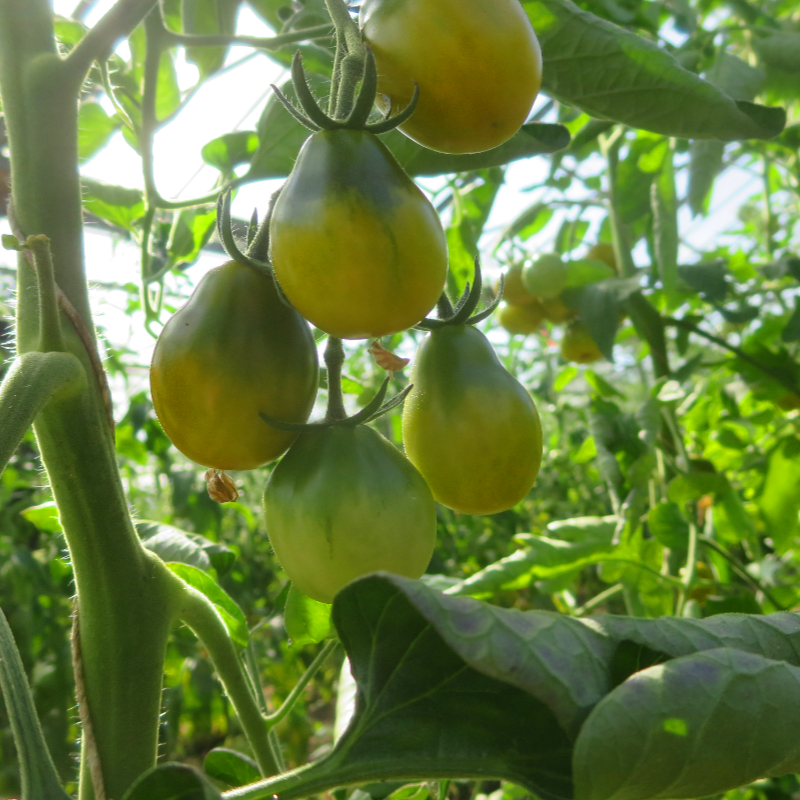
(354, 247)
(533, 294)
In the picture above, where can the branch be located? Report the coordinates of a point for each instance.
(258, 42)
(100, 41)
(199, 613)
(787, 383)
(32, 380)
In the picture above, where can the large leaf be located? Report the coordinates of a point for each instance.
(116, 204)
(38, 775)
(172, 782)
(612, 73)
(231, 614)
(230, 767)
(453, 687)
(281, 137)
(696, 726)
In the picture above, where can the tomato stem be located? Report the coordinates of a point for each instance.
(334, 359)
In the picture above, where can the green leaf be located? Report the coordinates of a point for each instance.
(231, 614)
(529, 222)
(191, 230)
(601, 385)
(791, 331)
(564, 378)
(115, 204)
(710, 280)
(542, 559)
(780, 49)
(227, 152)
(172, 782)
(208, 17)
(37, 772)
(614, 74)
(94, 129)
(281, 137)
(231, 768)
(668, 525)
(173, 545)
(307, 621)
(44, 517)
(780, 497)
(218, 556)
(694, 485)
(599, 305)
(346, 693)
(694, 727)
(664, 203)
(705, 162)
(585, 271)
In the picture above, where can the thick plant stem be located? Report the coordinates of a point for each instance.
(50, 337)
(126, 598)
(202, 617)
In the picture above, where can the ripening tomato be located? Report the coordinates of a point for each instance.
(469, 426)
(356, 247)
(344, 502)
(514, 291)
(546, 277)
(478, 66)
(232, 351)
(555, 310)
(577, 344)
(521, 319)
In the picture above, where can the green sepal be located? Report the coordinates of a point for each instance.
(392, 122)
(229, 243)
(468, 302)
(366, 97)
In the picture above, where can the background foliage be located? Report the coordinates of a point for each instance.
(671, 479)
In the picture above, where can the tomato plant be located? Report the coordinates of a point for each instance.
(159, 640)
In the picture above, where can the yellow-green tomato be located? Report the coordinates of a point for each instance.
(521, 319)
(469, 426)
(477, 63)
(344, 502)
(546, 277)
(356, 246)
(232, 351)
(577, 344)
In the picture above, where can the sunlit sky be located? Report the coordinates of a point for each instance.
(234, 101)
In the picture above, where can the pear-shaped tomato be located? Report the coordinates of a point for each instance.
(344, 502)
(469, 426)
(232, 351)
(478, 66)
(357, 248)
(577, 344)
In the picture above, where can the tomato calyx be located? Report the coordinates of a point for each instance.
(463, 312)
(335, 414)
(315, 119)
(228, 238)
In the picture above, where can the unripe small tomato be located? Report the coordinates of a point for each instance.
(546, 277)
(355, 245)
(232, 351)
(470, 427)
(555, 310)
(514, 291)
(344, 502)
(478, 66)
(603, 251)
(521, 319)
(577, 344)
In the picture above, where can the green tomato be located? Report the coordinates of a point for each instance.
(469, 426)
(344, 502)
(478, 66)
(234, 350)
(356, 247)
(546, 277)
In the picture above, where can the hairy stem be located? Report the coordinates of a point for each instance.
(334, 359)
(202, 617)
